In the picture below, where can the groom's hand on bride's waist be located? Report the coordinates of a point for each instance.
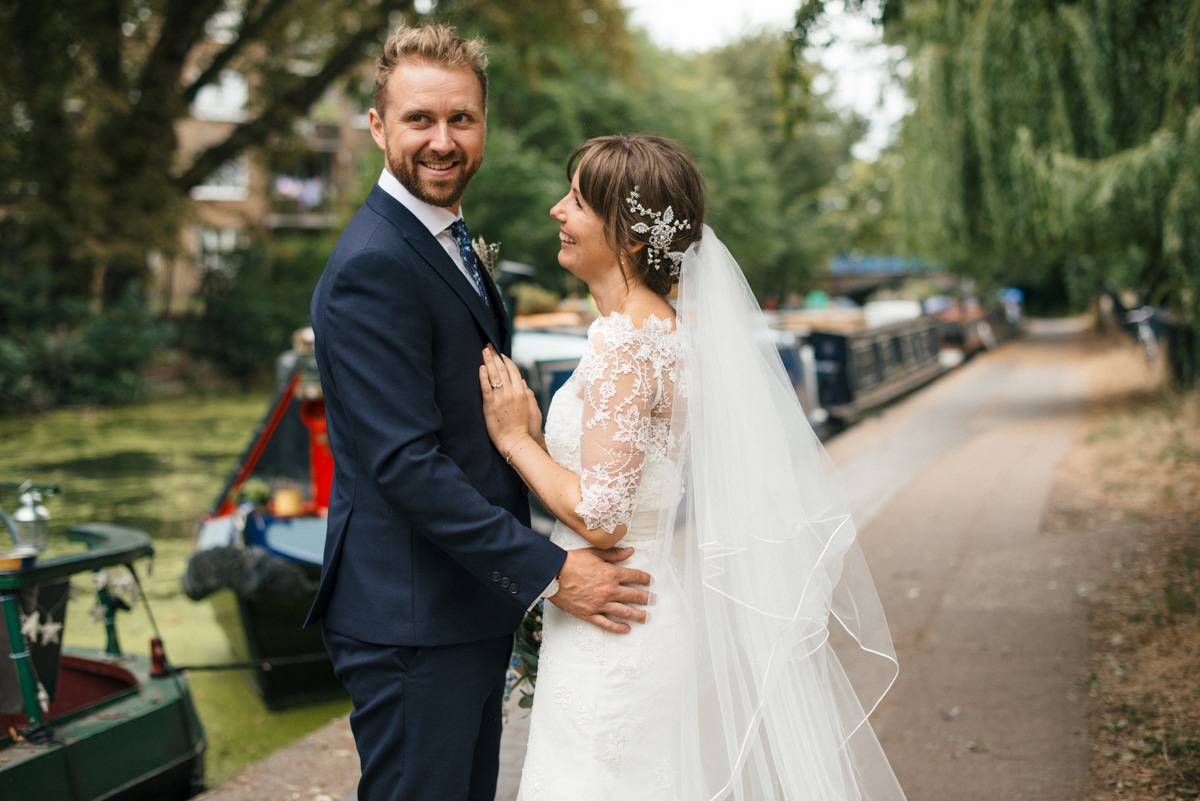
(593, 587)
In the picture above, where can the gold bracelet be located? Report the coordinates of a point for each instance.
(508, 458)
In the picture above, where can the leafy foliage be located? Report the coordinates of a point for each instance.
(763, 180)
(89, 97)
(523, 664)
(94, 185)
(250, 311)
(1056, 138)
(56, 351)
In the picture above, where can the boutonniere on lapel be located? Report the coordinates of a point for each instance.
(488, 254)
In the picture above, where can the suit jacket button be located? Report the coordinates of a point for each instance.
(496, 575)
(513, 588)
(504, 581)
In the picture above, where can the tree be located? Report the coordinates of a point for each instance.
(793, 147)
(558, 76)
(1053, 142)
(91, 179)
(92, 91)
(763, 179)
(856, 208)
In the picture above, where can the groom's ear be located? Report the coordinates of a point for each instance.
(378, 131)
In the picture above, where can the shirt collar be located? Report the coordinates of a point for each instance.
(434, 218)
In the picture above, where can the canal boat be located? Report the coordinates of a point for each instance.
(861, 370)
(259, 548)
(858, 359)
(84, 724)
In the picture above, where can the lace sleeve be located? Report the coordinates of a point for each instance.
(626, 413)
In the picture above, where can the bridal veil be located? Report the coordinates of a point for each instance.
(783, 609)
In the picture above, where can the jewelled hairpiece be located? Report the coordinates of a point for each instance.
(661, 232)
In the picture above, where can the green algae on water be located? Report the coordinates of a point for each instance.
(158, 467)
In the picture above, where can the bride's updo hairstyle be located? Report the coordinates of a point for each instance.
(641, 186)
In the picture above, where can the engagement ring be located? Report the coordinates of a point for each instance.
(497, 384)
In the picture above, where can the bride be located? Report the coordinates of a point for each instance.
(680, 435)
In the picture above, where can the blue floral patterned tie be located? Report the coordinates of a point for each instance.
(458, 229)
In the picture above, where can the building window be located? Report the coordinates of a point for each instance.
(230, 181)
(223, 101)
(216, 247)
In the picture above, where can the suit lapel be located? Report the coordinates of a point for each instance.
(427, 247)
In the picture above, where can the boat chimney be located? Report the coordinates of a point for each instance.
(158, 658)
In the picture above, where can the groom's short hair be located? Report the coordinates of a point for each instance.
(436, 45)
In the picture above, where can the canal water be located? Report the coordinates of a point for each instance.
(158, 467)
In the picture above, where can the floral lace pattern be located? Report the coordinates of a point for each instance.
(626, 381)
(606, 722)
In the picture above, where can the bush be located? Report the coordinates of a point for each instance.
(251, 310)
(57, 351)
(102, 360)
(1183, 357)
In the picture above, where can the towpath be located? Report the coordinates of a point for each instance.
(949, 488)
(988, 613)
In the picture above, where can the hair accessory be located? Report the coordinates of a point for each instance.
(661, 233)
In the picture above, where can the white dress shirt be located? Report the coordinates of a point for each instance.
(435, 218)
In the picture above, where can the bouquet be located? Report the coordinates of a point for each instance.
(523, 664)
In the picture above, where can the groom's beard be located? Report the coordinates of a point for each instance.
(444, 193)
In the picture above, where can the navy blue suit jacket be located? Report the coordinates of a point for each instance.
(428, 540)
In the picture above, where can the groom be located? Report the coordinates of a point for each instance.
(429, 561)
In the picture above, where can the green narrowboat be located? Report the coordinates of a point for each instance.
(80, 724)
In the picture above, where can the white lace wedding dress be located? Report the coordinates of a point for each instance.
(605, 723)
(691, 435)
